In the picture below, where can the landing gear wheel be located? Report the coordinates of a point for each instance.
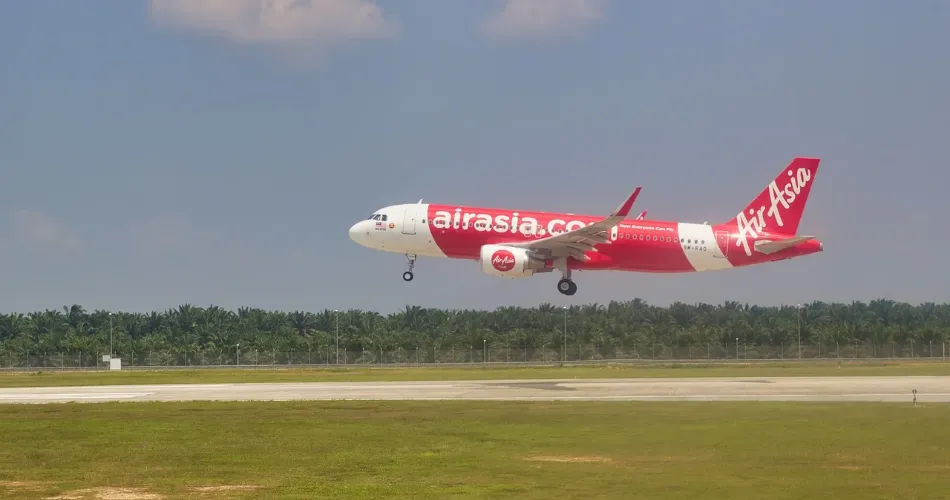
(566, 286)
(407, 276)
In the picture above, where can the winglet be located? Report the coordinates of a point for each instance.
(624, 209)
(642, 215)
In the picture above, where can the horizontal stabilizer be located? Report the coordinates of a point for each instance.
(771, 246)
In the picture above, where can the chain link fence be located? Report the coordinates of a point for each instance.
(325, 356)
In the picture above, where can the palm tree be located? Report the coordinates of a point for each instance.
(622, 328)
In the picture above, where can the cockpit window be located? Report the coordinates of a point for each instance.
(384, 217)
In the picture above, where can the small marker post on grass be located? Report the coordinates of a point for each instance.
(915, 397)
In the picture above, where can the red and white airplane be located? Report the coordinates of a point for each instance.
(520, 243)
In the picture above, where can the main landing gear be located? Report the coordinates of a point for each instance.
(567, 286)
(411, 257)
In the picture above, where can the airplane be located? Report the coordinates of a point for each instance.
(512, 243)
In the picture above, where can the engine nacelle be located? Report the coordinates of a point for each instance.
(510, 262)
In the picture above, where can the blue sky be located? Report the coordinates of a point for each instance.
(186, 151)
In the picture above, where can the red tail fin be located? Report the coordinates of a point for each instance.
(779, 207)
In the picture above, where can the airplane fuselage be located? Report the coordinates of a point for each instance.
(520, 243)
(459, 232)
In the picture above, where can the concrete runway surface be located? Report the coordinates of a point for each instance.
(892, 389)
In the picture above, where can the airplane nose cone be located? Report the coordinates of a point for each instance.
(358, 233)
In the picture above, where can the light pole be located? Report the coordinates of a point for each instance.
(111, 350)
(337, 313)
(237, 351)
(798, 314)
(737, 348)
(484, 350)
(564, 357)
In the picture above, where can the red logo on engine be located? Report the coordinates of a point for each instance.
(503, 260)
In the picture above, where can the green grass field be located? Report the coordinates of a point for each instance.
(532, 450)
(489, 372)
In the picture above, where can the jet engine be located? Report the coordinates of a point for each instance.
(510, 262)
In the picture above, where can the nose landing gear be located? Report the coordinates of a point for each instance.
(407, 276)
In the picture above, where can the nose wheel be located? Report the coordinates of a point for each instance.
(567, 286)
(411, 258)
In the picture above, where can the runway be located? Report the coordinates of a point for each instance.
(889, 389)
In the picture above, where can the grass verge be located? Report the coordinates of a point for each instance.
(531, 450)
(477, 372)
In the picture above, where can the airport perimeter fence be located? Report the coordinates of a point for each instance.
(325, 356)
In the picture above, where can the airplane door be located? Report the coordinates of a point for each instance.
(409, 220)
(722, 241)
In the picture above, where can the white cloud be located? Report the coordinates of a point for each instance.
(543, 18)
(41, 230)
(280, 22)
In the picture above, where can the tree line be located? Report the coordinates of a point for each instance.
(191, 329)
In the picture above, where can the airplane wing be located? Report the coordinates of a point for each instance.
(575, 243)
(771, 246)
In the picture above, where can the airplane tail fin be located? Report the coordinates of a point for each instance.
(779, 207)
